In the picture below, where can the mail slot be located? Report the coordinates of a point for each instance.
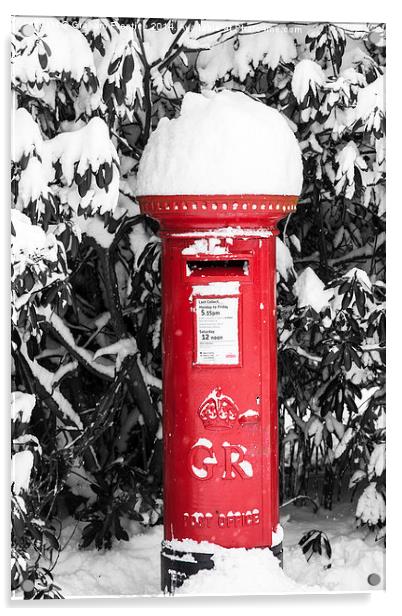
(218, 267)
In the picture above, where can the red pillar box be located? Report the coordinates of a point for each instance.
(220, 421)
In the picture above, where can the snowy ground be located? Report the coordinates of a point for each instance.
(132, 568)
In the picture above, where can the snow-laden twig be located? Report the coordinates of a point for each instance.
(298, 420)
(56, 327)
(314, 358)
(301, 497)
(45, 378)
(126, 345)
(63, 370)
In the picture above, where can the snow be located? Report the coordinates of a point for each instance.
(157, 41)
(347, 85)
(70, 53)
(216, 288)
(65, 333)
(341, 447)
(83, 149)
(352, 562)
(241, 55)
(310, 290)
(207, 246)
(95, 227)
(249, 413)
(245, 465)
(227, 232)
(296, 242)
(376, 464)
(190, 545)
(63, 370)
(348, 158)
(28, 439)
(122, 348)
(21, 466)
(45, 378)
(118, 42)
(35, 251)
(30, 240)
(284, 261)
(222, 143)
(361, 276)
(26, 137)
(79, 481)
(139, 237)
(201, 472)
(149, 379)
(132, 568)
(22, 406)
(370, 99)
(333, 425)
(307, 76)
(38, 173)
(203, 442)
(33, 183)
(277, 536)
(363, 279)
(76, 151)
(239, 572)
(371, 506)
(356, 477)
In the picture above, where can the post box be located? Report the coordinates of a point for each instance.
(220, 425)
(218, 178)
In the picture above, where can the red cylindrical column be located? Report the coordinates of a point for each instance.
(220, 421)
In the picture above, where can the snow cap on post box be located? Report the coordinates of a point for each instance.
(222, 143)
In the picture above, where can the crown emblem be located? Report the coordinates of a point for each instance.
(218, 412)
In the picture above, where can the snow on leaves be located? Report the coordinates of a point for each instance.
(78, 170)
(350, 167)
(38, 261)
(343, 415)
(31, 172)
(22, 406)
(310, 291)
(21, 464)
(32, 533)
(87, 168)
(371, 507)
(308, 76)
(118, 68)
(45, 51)
(239, 53)
(327, 41)
(369, 111)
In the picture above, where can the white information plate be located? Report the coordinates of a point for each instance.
(217, 330)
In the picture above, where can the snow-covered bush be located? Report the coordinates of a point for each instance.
(33, 488)
(86, 271)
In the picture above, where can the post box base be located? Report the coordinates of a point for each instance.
(178, 566)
